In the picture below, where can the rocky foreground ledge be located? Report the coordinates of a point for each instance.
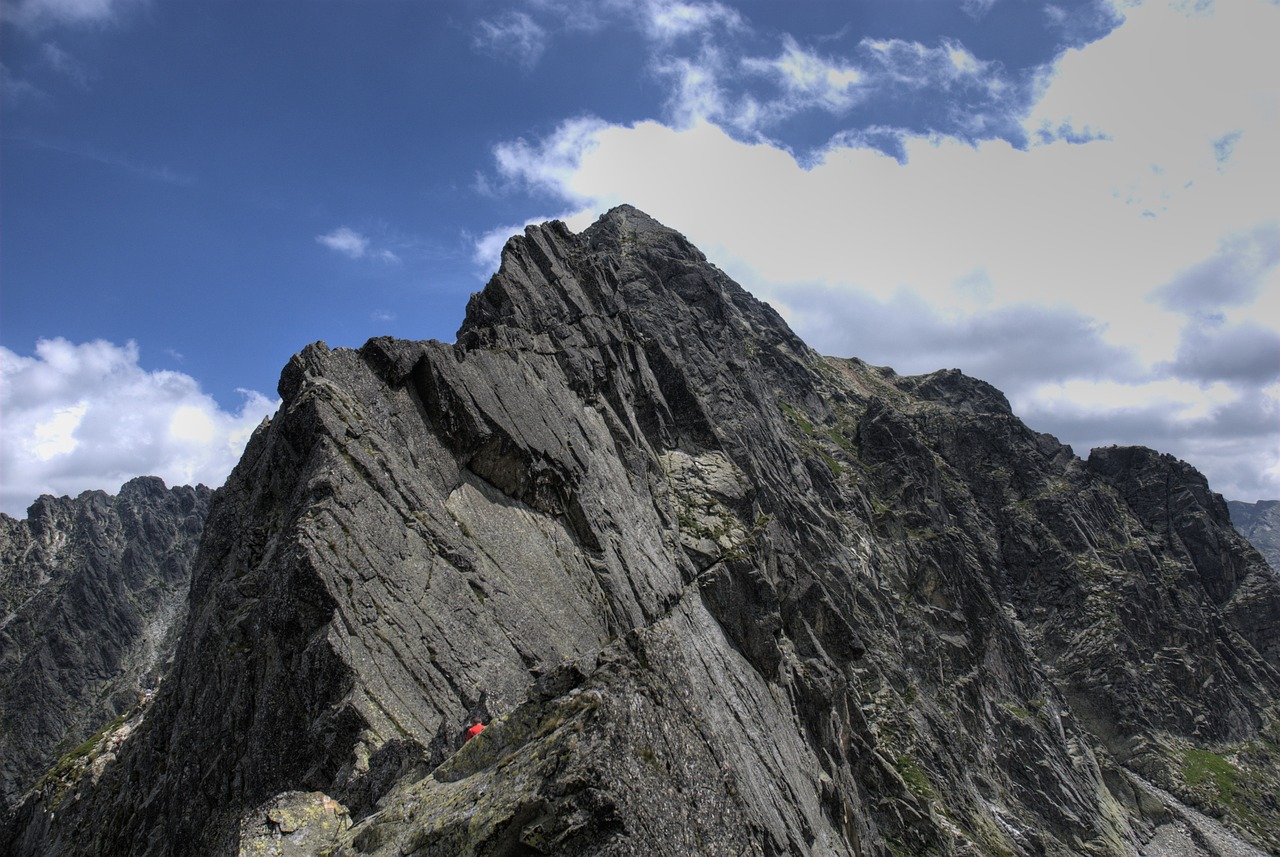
(713, 594)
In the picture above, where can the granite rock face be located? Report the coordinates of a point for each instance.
(93, 592)
(1259, 523)
(712, 592)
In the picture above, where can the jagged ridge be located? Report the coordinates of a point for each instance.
(718, 594)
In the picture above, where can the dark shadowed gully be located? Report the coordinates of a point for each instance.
(710, 592)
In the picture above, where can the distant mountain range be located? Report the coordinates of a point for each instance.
(709, 591)
(1259, 523)
(93, 593)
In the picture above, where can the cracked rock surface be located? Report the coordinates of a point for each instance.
(712, 592)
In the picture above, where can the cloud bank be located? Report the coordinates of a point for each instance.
(79, 414)
(1099, 236)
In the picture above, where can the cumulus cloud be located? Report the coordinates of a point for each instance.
(514, 35)
(357, 245)
(346, 241)
(1229, 435)
(1017, 347)
(1109, 258)
(1206, 78)
(81, 416)
(1244, 353)
(549, 164)
(1232, 276)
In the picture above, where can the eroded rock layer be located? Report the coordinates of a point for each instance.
(712, 592)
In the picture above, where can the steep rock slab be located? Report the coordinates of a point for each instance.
(92, 596)
(714, 592)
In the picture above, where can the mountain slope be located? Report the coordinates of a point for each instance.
(1259, 523)
(92, 593)
(714, 593)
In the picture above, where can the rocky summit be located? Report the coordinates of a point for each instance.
(709, 592)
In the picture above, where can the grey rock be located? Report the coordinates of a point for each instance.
(712, 592)
(93, 592)
(1259, 523)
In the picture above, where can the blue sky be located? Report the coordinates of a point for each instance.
(1077, 201)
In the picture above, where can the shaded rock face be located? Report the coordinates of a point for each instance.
(1259, 523)
(93, 592)
(712, 592)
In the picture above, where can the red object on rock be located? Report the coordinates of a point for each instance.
(476, 729)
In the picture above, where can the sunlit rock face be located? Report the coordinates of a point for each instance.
(711, 592)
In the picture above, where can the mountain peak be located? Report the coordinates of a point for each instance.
(709, 591)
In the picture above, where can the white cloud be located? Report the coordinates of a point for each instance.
(1169, 86)
(1128, 216)
(346, 241)
(1233, 276)
(697, 96)
(1229, 434)
(713, 78)
(87, 416)
(549, 165)
(810, 79)
(921, 66)
(669, 20)
(38, 14)
(519, 36)
(1213, 350)
(514, 35)
(487, 249)
(357, 245)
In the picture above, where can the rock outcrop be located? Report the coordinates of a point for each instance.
(1259, 523)
(93, 593)
(712, 592)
